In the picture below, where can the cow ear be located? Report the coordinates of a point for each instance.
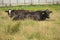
(47, 11)
(6, 11)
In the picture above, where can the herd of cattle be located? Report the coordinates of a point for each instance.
(23, 14)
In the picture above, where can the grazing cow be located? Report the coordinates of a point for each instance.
(22, 14)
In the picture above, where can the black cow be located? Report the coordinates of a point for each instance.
(22, 14)
(44, 14)
(40, 14)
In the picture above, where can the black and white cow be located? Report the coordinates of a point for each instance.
(22, 14)
(18, 14)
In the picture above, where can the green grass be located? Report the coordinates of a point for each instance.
(30, 29)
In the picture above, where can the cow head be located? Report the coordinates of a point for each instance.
(10, 13)
(46, 13)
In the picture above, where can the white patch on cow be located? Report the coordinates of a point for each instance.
(10, 11)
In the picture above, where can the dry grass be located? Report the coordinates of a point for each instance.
(29, 29)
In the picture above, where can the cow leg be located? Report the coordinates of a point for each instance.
(16, 17)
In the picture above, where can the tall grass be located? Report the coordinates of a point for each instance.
(30, 29)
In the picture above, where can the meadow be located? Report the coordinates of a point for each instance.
(29, 29)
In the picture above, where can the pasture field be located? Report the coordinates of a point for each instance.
(29, 29)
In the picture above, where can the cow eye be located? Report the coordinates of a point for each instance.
(42, 13)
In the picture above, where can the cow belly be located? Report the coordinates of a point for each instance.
(35, 17)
